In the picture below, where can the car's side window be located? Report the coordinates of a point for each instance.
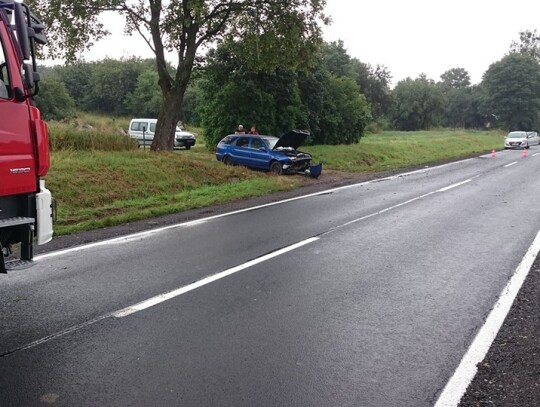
(256, 143)
(136, 126)
(5, 88)
(242, 142)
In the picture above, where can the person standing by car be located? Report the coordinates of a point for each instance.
(240, 130)
(253, 130)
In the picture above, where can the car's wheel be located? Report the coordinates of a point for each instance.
(527, 146)
(227, 160)
(276, 168)
(188, 147)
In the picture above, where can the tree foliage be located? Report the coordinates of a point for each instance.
(419, 104)
(272, 31)
(103, 86)
(345, 115)
(372, 82)
(513, 91)
(464, 107)
(53, 99)
(455, 78)
(234, 94)
(328, 105)
(145, 100)
(529, 43)
(112, 80)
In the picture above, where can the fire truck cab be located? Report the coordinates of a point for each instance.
(26, 206)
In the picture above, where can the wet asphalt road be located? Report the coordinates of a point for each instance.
(376, 309)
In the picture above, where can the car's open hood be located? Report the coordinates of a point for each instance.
(293, 138)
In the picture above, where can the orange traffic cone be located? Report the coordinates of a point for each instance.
(524, 153)
(493, 153)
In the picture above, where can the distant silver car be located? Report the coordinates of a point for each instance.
(521, 139)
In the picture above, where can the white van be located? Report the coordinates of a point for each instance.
(143, 131)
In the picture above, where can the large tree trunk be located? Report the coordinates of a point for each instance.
(168, 119)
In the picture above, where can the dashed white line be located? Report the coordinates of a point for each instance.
(465, 372)
(509, 165)
(371, 215)
(162, 297)
(456, 185)
(210, 279)
(190, 287)
(207, 280)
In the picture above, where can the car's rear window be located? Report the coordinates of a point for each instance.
(228, 140)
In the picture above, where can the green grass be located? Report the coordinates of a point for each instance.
(98, 188)
(392, 149)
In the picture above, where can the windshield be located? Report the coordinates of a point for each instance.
(271, 142)
(516, 134)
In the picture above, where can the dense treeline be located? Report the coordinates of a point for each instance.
(335, 97)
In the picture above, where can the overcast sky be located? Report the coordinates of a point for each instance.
(409, 37)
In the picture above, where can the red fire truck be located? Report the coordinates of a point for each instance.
(26, 206)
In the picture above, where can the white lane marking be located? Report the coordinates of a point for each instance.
(465, 372)
(509, 165)
(207, 280)
(210, 279)
(149, 233)
(401, 204)
(456, 184)
(162, 297)
(535, 154)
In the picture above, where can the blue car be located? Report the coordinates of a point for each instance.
(278, 155)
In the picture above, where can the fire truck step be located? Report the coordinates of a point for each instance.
(19, 220)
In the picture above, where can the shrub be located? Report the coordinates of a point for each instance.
(53, 100)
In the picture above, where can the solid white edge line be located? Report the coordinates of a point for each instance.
(509, 165)
(465, 372)
(207, 280)
(148, 233)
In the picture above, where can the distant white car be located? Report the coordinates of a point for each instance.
(143, 131)
(521, 139)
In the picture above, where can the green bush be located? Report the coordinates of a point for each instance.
(53, 100)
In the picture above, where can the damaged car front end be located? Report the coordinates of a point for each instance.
(278, 155)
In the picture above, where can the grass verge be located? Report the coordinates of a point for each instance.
(97, 188)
